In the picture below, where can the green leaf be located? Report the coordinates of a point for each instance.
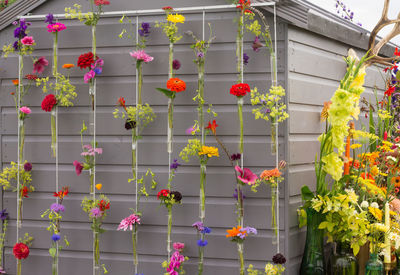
(306, 193)
(52, 252)
(166, 92)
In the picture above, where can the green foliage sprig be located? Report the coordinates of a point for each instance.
(62, 87)
(270, 105)
(9, 175)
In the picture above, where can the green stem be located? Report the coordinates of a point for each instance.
(53, 131)
(54, 265)
(92, 181)
(134, 245)
(19, 267)
(240, 205)
(273, 210)
(201, 100)
(55, 54)
(140, 82)
(240, 113)
(170, 124)
(170, 61)
(202, 193)
(273, 138)
(94, 40)
(20, 205)
(134, 145)
(201, 258)
(241, 258)
(2, 239)
(169, 249)
(239, 45)
(96, 249)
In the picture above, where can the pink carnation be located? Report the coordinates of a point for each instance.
(25, 110)
(141, 55)
(28, 41)
(128, 222)
(57, 27)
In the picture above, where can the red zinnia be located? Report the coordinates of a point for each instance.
(31, 77)
(103, 205)
(212, 126)
(163, 193)
(85, 60)
(168, 8)
(101, 2)
(240, 89)
(21, 251)
(48, 102)
(176, 85)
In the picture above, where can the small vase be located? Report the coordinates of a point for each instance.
(374, 265)
(313, 262)
(343, 262)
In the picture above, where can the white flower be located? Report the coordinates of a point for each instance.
(374, 205)
(392, 158)
(364, 204)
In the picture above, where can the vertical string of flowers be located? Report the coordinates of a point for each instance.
(4, 220)
(95, 64)
(54, 214)
(196, 147)
(174, 85)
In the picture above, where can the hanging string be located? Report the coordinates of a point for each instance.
(20, 67)
(137, 132)
(242, 81)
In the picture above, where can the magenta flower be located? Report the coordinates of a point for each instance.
(57, 27)
(190, 130)
(246, 176)
(96, 212)
(25, 110)
(178, 246)
(40, 64)
(91, 151)
(141, 55)
(88, 76)
(128, 222)
(78, 167)
(28, 41)
(257, 44)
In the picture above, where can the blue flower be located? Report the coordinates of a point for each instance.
(98, 70)
(55, 237)
(174, 165)
(202, 242)
(3, 214)
(206, 230)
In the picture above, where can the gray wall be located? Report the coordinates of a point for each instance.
(315, 68)
(113, 168)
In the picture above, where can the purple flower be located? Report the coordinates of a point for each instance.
(144, 31)
(206, 230)
(200, 54)
(28, 166)
(176, 64)
(96, 212)
(257, 44)
(236, 156)
(190, 130)
(56, 207)
(3, 214)
(78, 167)
(49, 19)
(15, 45)
(98, 70)
(235, 195)
(246, 175)
(199, 226)
(174, 165)
(245, 59)
(56, 237)
(251, 230)
(39, 65)
(279, 259)
(202, 242)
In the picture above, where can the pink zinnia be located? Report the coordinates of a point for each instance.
(246, 176)
(128, 222)
(57, 27)
(40, 64)
(141, 55)
(78, 167)
(88, 76)
(25, 110)
(28, 41)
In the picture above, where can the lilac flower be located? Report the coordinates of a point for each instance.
(202, 242)
(128, 222)
(176, 64)
(251, 230)
(49, 18)
(96, 212)
(244, 232)
(144, 31)
(28, 166)
(141, 55)
(206, 230)
(39, 65)
(56, 207)
(199, 226)
(245, 59)
(174, 165)
(246, 175)
(56, 237)
(3, 214)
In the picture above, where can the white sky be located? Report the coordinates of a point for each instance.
(367, 12)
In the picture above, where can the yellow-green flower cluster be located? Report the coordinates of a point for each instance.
(10, 174)
(170, 28)
(191, 149)
(344, 107)
(270, 105)
(142, 114)
(64, 90)
(76, 12)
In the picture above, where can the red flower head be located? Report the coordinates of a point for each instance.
(212, 126)
(85, 60)
(121, 102)
(390, 91)
(21, 251)
(24, 192)
(396, 52)
(62, 193)
(168, 8)
(49, 102)
(240, 89)
(176, 85)
(31, 77)
(244, 5)
(103, 205)
(163, 194)
(101, 2)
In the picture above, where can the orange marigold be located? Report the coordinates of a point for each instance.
(233, 232)
(176, 85)
(268, 174)
(68, 66)
(15, 82)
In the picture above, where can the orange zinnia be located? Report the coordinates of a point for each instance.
(15, 82)
(396, 181)
(268, 174)
(68, 66)
(176, 85)
(233, 232)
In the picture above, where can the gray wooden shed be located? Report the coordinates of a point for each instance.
(311, 44)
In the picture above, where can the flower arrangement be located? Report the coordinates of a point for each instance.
(4, 219)
(21, 250)
(54, 214)
(274, 268)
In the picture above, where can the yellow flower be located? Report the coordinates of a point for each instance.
(355, 146)
(380, 227)
(176, 18)
(376, 212)
(359, 80)
(374, 170)
(210, 151)
(333, 165)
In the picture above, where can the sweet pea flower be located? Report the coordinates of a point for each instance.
(78, 167)
(88, 76)
(40, 64)
(246, 175)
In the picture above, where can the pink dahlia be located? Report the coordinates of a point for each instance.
(28, 41)
(246, 176)
(25, 110)
(56, 27)
(141, 55)
(128, 222)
